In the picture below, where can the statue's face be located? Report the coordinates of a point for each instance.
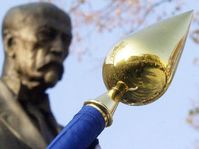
(40, 48)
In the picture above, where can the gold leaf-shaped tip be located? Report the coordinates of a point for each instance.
(147, 59)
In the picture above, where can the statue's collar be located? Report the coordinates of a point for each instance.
(13, 84)
(21, 92)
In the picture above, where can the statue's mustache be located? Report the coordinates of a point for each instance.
(58, 66)
(50, 60)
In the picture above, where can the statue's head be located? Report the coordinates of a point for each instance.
(36, 39)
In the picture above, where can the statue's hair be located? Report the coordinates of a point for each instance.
(17, 16)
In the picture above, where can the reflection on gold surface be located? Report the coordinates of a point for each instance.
(146, 73)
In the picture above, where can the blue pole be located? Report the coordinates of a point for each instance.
(81, 131)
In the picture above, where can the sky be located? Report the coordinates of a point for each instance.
(159, 125)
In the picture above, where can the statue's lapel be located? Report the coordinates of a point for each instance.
(17, 121)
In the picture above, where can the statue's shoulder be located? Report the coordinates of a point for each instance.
(5, 96)
(8, 140)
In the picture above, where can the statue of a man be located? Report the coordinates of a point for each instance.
(36, 38)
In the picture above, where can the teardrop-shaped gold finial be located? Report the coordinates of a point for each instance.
(146, 60)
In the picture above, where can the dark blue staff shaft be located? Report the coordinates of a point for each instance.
(81, 131)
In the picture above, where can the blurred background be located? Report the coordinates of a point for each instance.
(172, 122)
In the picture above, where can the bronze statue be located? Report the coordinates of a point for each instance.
(36, 38)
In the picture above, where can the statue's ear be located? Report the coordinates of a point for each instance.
(9, 44)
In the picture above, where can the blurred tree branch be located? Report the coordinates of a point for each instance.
(111, 15)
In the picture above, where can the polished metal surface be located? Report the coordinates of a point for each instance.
(139, 69)
(146, 60)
